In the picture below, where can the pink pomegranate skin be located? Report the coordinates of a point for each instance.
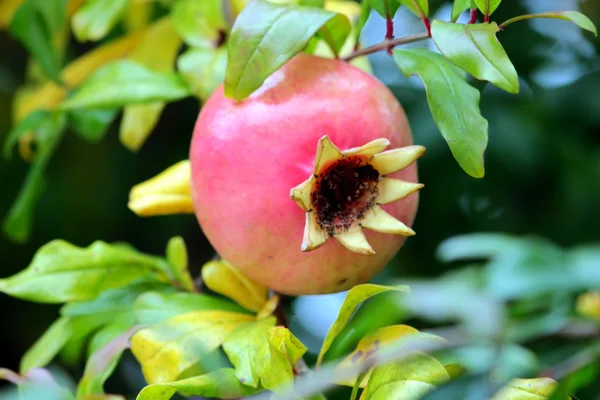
(246, 156)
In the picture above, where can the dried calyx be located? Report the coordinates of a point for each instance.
(346, 190)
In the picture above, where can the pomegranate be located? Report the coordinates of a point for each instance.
(284, 182)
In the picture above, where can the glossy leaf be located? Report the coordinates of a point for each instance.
(174, 346)
(203, 69)
(265, 36)
(200, 24)
(262, 356)
(95, 19)
(155, 307)
(453, 103)
(91, 124)
(355, 296)
(140, 119)
(527, 389)
(47, 346)
(576, 17)
(102, 363)
(384, 7)
(177, 258)
(225, 279)
(419, 7)
(167, 193)
(460, 6)
(61, 272)
(475, 49)
(125, 82)
(487, 6)
(33, 24)
(407, 379)
(221, 384)
(19, 220)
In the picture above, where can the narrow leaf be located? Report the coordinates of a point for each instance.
(419, 7)
(225, 279)
(183, 342)
(453, 103)
(487, 6)
(61, 272)
(200, 24)
(221, 384)
(265, 36)
(475, 49)
(47, 346)
(355, 296)
(95, 19)
(203, 70)
(177, 258)
(126, 82)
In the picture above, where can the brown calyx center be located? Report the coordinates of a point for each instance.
(345, 190)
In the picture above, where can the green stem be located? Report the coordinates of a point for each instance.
(359, 380)
(528, 16)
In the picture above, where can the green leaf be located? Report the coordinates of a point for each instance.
(407, 379)
(384, 7)
(225, 279)
(260, 355)
(24, 127)
(576, 17)
(419, 7)
(313, 3)
(265, 36)
(365, 12)
(527, 389)
(459, 6)
(200, 24)
(203, 70)
(17, 224)
(103, 362)
(155, 307)
(487, 6)
(475, 49)
(453, 103)
(125, 82)
(47, 346)
(355, 296)
(95, 19)
(221, 384)
(464, 387)
(177, 258)
(92, 124)
(183, 343)
(33, 24)
(61, 272)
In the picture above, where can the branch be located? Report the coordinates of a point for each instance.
(386, 44)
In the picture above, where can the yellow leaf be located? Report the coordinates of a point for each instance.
(588, 305)
(139, 119)
(527, 389)
(138, 15)
(7, 9)
(179, 344)
(167, 193)
(268, 308)
(225, 279)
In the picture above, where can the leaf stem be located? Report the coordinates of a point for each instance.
(486, 18)
(387, 43)
(473, 16)
(525, 17)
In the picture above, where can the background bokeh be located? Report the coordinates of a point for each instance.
(542, 178)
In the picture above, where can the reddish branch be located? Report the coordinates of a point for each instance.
(386, 44)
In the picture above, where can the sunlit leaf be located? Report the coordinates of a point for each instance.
(588, 305)
(460, 6)
(7, 10)
(576, 17)
(203, 69)
(138, 15)
(126, 82)
(177, 258)
(225, 279)
(453, 103)
(221, 384)
(61, 272)
(178, 344)
(269, 307)
(139, 119)
(487, 6)
(92, 124)
(96, 18)
(102, 363)
(200, 24)
(154, 307)
(33, 24)
(167, 193)
(265, 36)
(475, 49)
(419, 7)
(355, 296)
(262, 356)
(47, 134)
(47, 346)
(528, 389)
